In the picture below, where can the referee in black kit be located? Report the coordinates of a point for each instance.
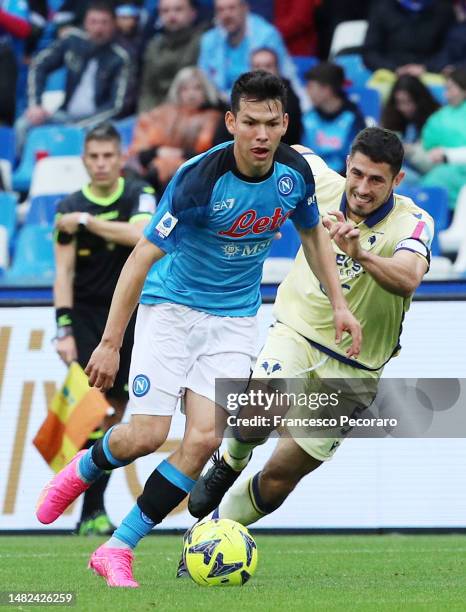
(97, 228)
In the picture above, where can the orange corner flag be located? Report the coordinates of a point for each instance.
(76, 410)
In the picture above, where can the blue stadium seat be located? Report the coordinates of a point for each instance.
(288, 244)
(369, 102)
(354, 68)
(434, 200)
(42, 210)
(126, 128)
(304, 63)
(52, 139)
(34, 260)
(8, 203)
(7, 144)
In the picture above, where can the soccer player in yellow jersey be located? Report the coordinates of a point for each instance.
(382, 248)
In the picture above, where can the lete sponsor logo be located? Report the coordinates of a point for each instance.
(248, 223)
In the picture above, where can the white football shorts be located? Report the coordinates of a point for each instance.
(178, 348)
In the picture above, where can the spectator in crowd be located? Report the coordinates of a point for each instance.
(453, 54)
(333, 122)
(266, 59)
(129, 36)
(226, 49)
(174, 47)
(444, 140)
(330, 13)
(15, 27)
(97, 228)
(295, 20)
(97, 74)
(173, 132)
(405, 37)
(408, 107)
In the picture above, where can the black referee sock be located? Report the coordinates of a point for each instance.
(165, 488)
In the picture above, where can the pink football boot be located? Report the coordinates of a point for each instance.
(61, 491)
(115, 565)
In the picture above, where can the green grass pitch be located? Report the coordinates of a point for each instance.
(363, 573)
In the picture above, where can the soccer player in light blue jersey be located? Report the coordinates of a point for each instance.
(199, 269)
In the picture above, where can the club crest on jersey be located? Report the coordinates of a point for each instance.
(248, 223)
(272, 367)
(141, 385)
(285, 184)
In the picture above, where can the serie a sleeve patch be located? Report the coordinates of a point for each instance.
(166, 225)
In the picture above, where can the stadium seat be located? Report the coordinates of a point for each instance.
(282, 254)
(434, 200)
(440, 268)
(8, 204)
(125, 128)
(460, 262)
(42, 209)
(54, 93)
(7, 144)
(304, 63)
(348, 35)
(48, 140)
(3, 250)
(369, 102)
(58, 175)
(33, 260)
(5, 171)
(451, 238)
(354, 68)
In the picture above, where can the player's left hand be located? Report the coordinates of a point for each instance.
(344, 234)
(345, 321)
(103, 367)
(68, 223)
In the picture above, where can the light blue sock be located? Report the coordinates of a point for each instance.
(134, 527)
(87, 469)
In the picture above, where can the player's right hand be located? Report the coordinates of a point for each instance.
(66, 349)
(103, 367)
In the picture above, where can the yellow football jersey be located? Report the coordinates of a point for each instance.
(302, 305)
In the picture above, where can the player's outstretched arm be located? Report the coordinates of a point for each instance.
(321, 259)
(400, 274)
(104, 361)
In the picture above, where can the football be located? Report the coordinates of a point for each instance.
(220, 552)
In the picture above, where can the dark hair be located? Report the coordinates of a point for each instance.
(327, 73)
(458, 76)
(103, 132)
(105, 6)
(422, 97)
(258, 86)
(380, 146)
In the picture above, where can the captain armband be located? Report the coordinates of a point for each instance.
(415, 246)
(64, 321)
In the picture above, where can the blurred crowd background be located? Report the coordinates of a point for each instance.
(162, 70)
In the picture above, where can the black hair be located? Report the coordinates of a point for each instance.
(258, 86)
(104, 6)
(103, 132)
(380, 146)
(422, 97)
(458, 76)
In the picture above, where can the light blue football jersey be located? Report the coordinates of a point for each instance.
(217, 225)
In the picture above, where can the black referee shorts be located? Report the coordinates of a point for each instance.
(88, 326)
